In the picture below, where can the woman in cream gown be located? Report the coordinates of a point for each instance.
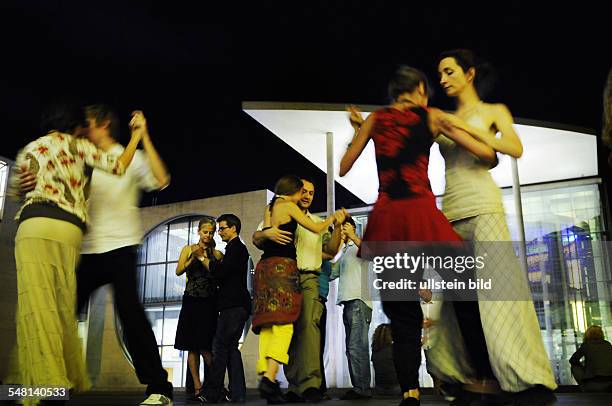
(473, 204)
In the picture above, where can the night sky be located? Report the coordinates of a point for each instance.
(189, 66)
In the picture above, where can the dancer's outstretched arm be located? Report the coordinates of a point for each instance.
(139, 123)
(360, 140)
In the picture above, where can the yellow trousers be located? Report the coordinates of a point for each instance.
(274, 342)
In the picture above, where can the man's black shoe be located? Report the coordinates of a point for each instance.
(292, 397)
(312, 395)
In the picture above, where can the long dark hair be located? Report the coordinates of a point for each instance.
(286, 186)
(485, 78)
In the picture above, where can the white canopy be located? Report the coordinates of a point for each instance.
(551, 154)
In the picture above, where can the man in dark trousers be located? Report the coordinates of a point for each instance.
(234, 306)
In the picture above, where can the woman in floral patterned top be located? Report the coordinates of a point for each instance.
(47, 246)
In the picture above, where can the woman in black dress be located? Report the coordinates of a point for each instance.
(198, 318)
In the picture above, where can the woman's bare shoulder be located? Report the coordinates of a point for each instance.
(283, 210)
(495, 109)
(283, 204)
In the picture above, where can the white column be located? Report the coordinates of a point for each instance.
(331, 192)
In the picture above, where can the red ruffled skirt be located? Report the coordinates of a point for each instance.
(411, 219)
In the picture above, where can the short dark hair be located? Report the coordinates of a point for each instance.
(231, 220)
(351, 221)
(405, 80)
(103, 112)
(63, 116)
(309, 180)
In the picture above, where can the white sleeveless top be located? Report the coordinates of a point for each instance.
(470, 189)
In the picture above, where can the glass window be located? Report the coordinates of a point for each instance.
(157, 243)
(155, 278)
(175, 285)
(171, 316)
(193, 232)
(142, 253)
(156, 318)
(177, 239)
(4, 172)
(567, 268)
(140, 275)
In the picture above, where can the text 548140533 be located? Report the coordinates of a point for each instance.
(14, 392)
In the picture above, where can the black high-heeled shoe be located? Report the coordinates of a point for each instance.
(271, 391)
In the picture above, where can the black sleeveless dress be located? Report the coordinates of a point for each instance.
(197, 321)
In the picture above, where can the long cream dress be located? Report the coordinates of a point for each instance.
(473, 204)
